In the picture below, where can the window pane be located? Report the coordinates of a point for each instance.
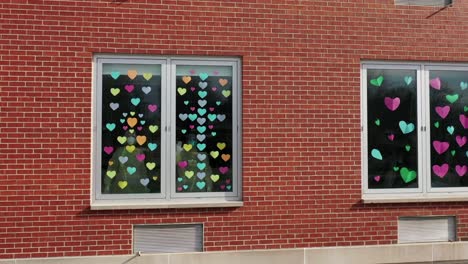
(449, 121)
(131, 118)
(392, 134)
(204, 129)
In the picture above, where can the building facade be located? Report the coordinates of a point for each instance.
(273, 124)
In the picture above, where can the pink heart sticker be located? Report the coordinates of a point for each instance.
(377, 178)
(440, 171)
(108, 149)
(183, 164)
(440, 147)
(223, 170)
(211, 109)
(179, 189)
(152, 107)
(210, 126)
(191, 126)
(228, 181)
(139, 128)
(192, 88)
(392, 103)
(125, 128)
(464, 121)
(140, 157)
(442, 111)
(192, 108)
(461, 170)
(460, 140)
(214, 89)
(222, 187)
(435, 83)
(129, 87)
(391, 137)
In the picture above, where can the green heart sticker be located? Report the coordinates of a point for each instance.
(377, 122)
(453, 152)
(465, 108)
(436, 124)
(183, 131)
(378, 81)
(452, 98)
(213, 134)
(407, 175)
(408, 148)
(396, 168)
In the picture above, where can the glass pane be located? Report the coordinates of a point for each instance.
(449, 124)
(204, 129)
(131, 117)
(392, 134)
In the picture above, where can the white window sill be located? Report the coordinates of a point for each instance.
(414, 198)
(151, 204)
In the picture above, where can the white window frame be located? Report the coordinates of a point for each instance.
(424, 192)
(168, 198)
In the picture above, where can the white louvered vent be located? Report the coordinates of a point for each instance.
(426, 229)
(168, 238)
(424, 2)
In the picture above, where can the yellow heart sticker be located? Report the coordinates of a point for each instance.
(226, 93)
(153, 128)
(155, 178)
(132, 121)
(187, 147)
(147, 76)
(121, 139)
(122, 184)
(115, 91)
(150, 165)
(132, 113)
(131, 131)
(223, 82)
(130, 148)
(225, 157)
(214, 154)
(181, 90)
(141, 139)
(186, 79)
(221, 145)
(111, 174)
(214, 177)
(132, 74)
(189, 174)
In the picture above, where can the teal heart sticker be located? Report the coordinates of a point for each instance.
(131, 170)
(115, 75)
(135, 101)
(408, 80)
(375, 153)
(201, 147)
(463, 85)
(152, 146)
(213, 134)
(183, 131)
(202, 94)
(201, 185)
(211, 117)
(201, 166)
(395, 168)
(179, 179)
(378, 81)
(203, 76)
(201, 129)
(186, 102)
(406, 128)
(201, 111)
(218, 102)
(110, 126)
(192, 117)
(450, 130)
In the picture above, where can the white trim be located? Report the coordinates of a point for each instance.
(424, 192)
(168, 198)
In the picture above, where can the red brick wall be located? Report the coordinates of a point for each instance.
(301, 116)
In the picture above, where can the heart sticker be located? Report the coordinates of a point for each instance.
(202, 94)
(377, 122)
(406, 128)
(201, 156)
(377, 178)
(183, 164)
(130, 148)
(150, 165)
(186, 79)
(110, 126)
(226, 93)
(214, 177)
(123, 159)
(152, 107)
(440, 171)
(181, 90)
(153, 128)
(461, 140)
(450, 129)
(225, 157)
(147, 76)
(141, 140)
(378, 81)
(132, 121)
(187, 147)
(144, 181)
(115, 75)
(201, 175)
(122, 184)
(201, 146)
(407, 148)
(201, 185)
(463, 85)
(146, 89)
(442, 111)
(111, 174)
(391, 137)
(440, 147)
(464, 121)
(129, 87)
(452, 98)
(407, 175)
(214, 154)
(152, 146)
(131, 170)
(189, 174)
(435, 83)
(203, 76)
(436, 124)
(223, 82)
(223, 170)
(121, 139)
(114, 106)
(408, 80)
(115, 91)
(202, 85)
(108, 149)
(135, 101)
(221, 145)
(461, 170)
(392, 103)
(132, 74)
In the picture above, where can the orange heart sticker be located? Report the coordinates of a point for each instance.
(223, 82)
(225, 157)
(132, 121)
(132, 74)
(141, 139)
(186, 79)
(111, 162)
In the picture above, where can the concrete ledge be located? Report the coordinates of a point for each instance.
(457, 252)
